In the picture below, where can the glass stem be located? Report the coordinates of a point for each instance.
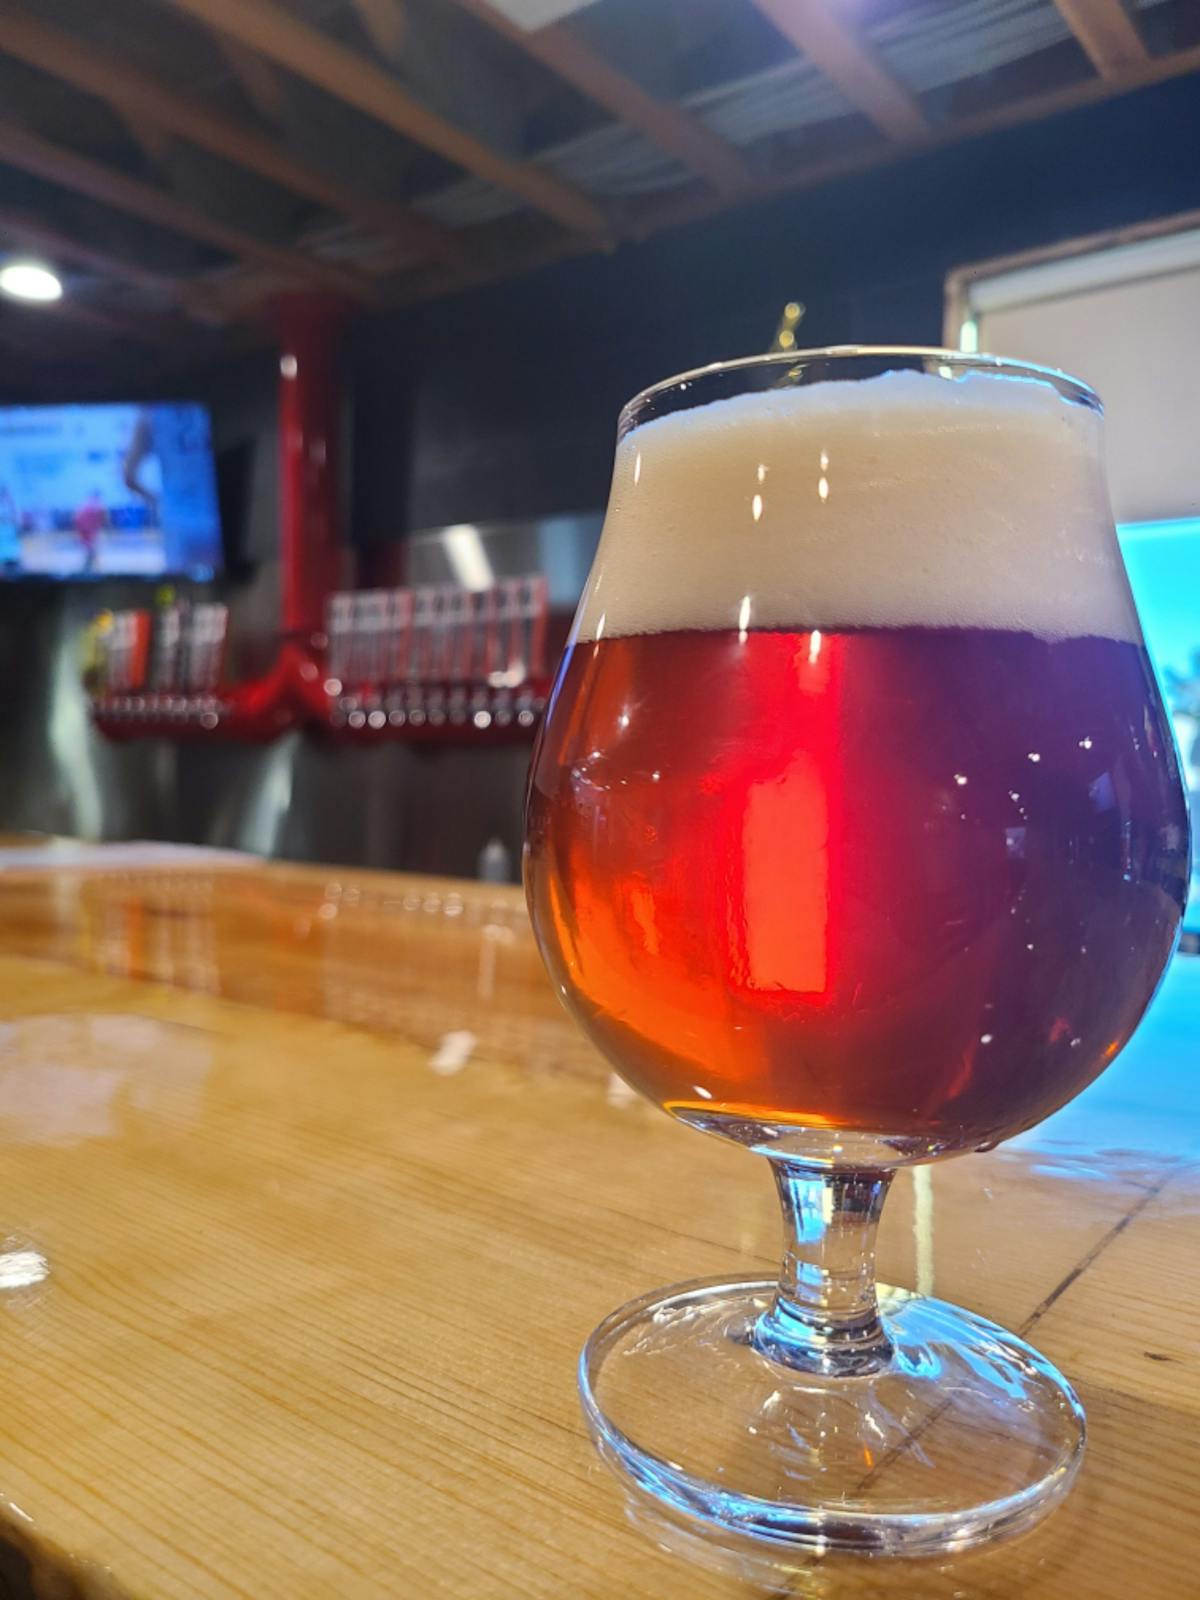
(825, 1315)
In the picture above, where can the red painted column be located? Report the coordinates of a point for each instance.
(312, 550)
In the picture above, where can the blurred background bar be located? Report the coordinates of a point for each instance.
(315, 320)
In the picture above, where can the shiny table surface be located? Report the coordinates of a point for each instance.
(330, 1192)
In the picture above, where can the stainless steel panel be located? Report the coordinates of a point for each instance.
(475, 553)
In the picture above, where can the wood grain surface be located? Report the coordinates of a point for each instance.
(330, 1192)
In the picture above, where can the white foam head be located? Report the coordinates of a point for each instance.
(909, 499)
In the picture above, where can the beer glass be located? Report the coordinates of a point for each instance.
(856, 836)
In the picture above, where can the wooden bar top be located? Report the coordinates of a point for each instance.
(312, 1194)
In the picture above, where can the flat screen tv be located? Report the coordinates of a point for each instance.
(97, 491)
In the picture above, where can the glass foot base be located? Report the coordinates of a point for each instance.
(966, 1434)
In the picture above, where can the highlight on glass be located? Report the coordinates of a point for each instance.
(856, 836)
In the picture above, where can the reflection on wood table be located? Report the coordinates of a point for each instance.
(330, 1193)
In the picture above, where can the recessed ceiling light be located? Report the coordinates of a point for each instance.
(29, 280)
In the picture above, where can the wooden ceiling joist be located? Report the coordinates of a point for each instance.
(1107, 33)
(972, 125)
(142, 101)
(385, 24)
(666, 125)
(31, 153)
(350, 77)
(271, 47)
(262, 85)
(817, 31)
(151, 140)
(865, 157)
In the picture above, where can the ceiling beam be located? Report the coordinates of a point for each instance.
(423, 284)
(146, 104)
(970, 125)
(1107, 33)
(350, 77)
(386, 25)
(150, 139)
(260, 83)
(816, 30)
(31, 153)
(666, 125)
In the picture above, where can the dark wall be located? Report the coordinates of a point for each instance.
(503, 402)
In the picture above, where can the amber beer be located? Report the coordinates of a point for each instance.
(894, 846)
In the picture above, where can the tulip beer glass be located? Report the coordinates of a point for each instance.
(856, 836)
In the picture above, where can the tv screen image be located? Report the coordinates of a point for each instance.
(89, 491)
